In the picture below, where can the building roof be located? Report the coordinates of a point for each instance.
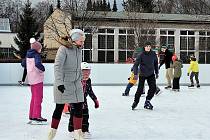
(149, 16)
(4, 25)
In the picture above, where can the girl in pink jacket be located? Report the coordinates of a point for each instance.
(35, 73)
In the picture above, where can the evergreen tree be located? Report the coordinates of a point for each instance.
(101, 6)
(89, 5)
(27, 28)
(94, 6)
(145, 6)
(108, 6)
(58, 4)
(114, 9)
(104, 5)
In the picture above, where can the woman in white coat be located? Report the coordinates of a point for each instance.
(67, 85)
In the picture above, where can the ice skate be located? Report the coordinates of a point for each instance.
(148, 105)
(78, 135)
(158, 91)
(21, 83)
(39, 121)
(52, 133)
(175, 90)
(191, 86)
(168, 87)
(125, 94)
(134, 105)
(198, 86)
(87, 135)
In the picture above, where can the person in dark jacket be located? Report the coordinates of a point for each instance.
(148, 63)
(168, 65)
(87, 89)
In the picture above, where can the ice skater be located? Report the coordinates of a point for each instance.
(67, 85)
(168, 66)
(35, 72)
(193, 71)
(148, 63)
(177, 65)
(88, 91)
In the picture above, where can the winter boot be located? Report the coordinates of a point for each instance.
(148, 105)
(168, 87)
(52, 133)
(78, 134)
(191, 86)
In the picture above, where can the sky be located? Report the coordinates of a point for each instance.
(176, 116)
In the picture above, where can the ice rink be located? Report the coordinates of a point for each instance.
(176, 116)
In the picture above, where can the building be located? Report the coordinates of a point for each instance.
(6, 39)
(114, 36)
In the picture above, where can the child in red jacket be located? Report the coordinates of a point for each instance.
(87, 89)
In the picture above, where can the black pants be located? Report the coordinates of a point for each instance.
(176, 83)
(85, 118)
(59, 109)
(24, 75)
(194, 74)
(151, 81)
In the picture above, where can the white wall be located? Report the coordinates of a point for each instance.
(101, 74)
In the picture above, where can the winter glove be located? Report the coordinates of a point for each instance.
(96, 103)
(156, 76)
(61, 88)
(129, 78)
(135, 77)
(188, 74)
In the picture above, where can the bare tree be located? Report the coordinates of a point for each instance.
(10, 9)
(184, 6)
(41, 13)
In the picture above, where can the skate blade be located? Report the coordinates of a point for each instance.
(159, 93)
(38, 123)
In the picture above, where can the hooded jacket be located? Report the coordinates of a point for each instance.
(35, 69)
(193, 66)
(67, 72)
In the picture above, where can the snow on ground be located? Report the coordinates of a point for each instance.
(176, 116)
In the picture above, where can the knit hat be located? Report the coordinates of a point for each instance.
(174, 57)
(35, 44)
(147, 43)
(76, 34)
(164, 47)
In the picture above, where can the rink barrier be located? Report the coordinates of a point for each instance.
(101, 74)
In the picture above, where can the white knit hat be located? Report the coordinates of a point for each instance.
(76, 34)
(35, 44)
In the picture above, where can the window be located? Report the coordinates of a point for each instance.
(187, 45)
(87, 50)
(204, 47)
(167, 39)
(6, 53)
(126, 44)
(105, 45)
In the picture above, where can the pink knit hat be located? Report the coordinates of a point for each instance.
(35, 44)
